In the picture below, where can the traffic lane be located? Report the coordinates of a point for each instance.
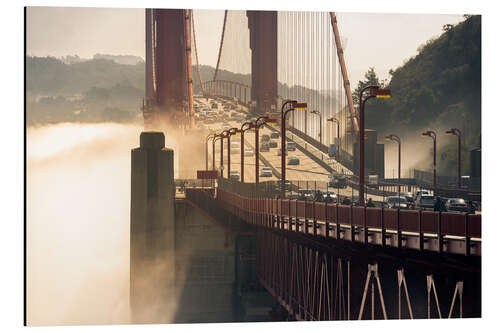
(306, 164)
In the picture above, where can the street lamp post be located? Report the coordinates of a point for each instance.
(332, 119)
(229, 133)
(232, 131)
(458, 134)
(396, 138)
(375, 91)
(224, 134)
(316, 112)
(217, 137)
(210, 136)
(242, 168)
(432, 134)
(294, 105)
(256, 125)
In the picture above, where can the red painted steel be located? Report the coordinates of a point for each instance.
(344, 214)
(171, 70)
(263, 28)
(391, 219)
(453, 224)
(430, 222)
(309, 211)
(331, 211)
(474, 223)
(409, 220)
(358, 216)
(373, 217)
(293, 214)
(301, 209)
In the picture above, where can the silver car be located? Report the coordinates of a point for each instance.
(266, 172)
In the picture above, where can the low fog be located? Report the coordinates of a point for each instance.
(78, 222)
(416, 151)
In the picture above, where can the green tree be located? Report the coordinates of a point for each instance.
(371, 79)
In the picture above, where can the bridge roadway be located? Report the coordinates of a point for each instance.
(309, 173)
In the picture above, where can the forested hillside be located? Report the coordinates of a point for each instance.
(438, 89)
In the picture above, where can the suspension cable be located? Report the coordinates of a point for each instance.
(347, 87)
(196, 54)
(220, 47)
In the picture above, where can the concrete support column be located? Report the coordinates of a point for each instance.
(152, 231)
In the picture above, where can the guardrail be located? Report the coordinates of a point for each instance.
(448, 232)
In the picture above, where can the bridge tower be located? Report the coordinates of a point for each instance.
(263, 26)
(168, 94)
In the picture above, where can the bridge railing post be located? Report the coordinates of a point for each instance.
(315, 221)
(420, 232)
(440, 236)
(399, 240)
(337, 221)
(467, 236)
(327, 219)
(365, 229)
(351, 227)
(382, 225)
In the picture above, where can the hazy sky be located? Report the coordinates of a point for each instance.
(59, 31)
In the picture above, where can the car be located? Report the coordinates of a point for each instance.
(235, 149)
(265, 138)
(248, 152)
(273, 144)
(397, 202)
(425, 201)
(287, 185)
(337, 181)
(275, 135)
(409, 198)
(264, 147)
(333, 196)
(279, 152)
(420, 192)
(305, 194)
(290, 146)
(456, 204)
(215, 106)
(266, 172)
(234, 174)
(293, 160)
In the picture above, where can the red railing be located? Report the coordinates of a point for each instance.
(332, 220)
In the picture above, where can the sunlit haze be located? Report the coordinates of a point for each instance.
(59, 31)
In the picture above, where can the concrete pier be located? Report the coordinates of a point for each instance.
(152, 231)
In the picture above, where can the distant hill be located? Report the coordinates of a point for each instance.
(439, 86)
(51, 76)
(120, 59)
